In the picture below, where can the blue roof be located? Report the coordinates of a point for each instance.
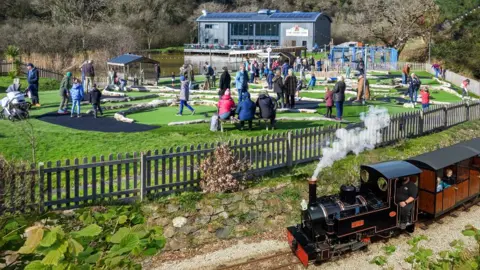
(126, 59)
(263, 17)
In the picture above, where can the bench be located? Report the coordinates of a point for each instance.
(268, 126)
(223, 121)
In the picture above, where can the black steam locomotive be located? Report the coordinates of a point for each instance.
(333, 225)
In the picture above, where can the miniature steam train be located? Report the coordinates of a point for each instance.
(334, 224)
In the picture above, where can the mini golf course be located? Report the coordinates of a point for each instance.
(59, 137)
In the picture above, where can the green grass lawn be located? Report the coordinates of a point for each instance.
(44, 83)
(56, 142)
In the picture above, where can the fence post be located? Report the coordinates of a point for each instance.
(467, 105)
(420, 123)
(289, 149)
(445, 122)
(41, 176)
(143, 175)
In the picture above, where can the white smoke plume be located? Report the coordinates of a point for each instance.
(355, 140)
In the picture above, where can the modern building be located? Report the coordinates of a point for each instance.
(265, 27)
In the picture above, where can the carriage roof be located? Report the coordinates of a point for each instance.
(447, 156)
(393, 169)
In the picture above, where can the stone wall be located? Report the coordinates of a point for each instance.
(216, 217)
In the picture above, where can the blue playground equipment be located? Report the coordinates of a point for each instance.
(378, 56)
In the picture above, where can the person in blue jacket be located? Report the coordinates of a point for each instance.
(270, 79)
(285, 69)
(241, 82)
(76, 93)
(32, 79)
(246, 111)
(312, 82)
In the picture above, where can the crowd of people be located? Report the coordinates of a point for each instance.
(280, 78)
(414, 85)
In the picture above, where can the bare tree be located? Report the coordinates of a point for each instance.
(81, 13)
(29, 134)
(392, 22)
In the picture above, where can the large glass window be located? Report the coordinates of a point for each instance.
(267, 29)
(242, 29)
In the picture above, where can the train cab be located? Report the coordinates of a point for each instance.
(450, 177)
(380, 182)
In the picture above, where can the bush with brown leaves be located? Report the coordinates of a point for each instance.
(17, 186)
(222, 171)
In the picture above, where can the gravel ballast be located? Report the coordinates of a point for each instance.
(439, 235)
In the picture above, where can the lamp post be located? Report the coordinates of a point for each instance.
(365, 74)
(269, 50)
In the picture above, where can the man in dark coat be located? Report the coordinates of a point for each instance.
(339, 96)
(278, 88)
(157, 73)
(65, 86)
(32, 79)
(268, 107)
(89, 76)
(225, 82)
(290, 89)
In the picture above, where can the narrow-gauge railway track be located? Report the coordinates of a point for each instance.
(281, 256)
(285, 260)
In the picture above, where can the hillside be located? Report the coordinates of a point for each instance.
(64, 28)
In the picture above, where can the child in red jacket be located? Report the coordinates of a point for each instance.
(328, 102)
(425, 98)
(226, 106)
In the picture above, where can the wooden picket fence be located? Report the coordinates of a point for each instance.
(138, 176)
(43, 73)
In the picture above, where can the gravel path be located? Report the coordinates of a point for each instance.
(440, 236)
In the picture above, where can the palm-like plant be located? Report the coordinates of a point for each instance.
(12, 53)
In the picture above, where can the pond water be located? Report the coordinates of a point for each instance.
(172, 62)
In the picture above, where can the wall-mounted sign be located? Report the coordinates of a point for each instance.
(297, 31)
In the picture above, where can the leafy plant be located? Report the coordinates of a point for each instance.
(15, 185)
(188, 200)
(93, 238)
(420, 259)
(382, 260)
(12, 52)
(379, 260)
(13, 74)
(389, 250)
(219, 169)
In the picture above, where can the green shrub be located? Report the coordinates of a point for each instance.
(91, 238)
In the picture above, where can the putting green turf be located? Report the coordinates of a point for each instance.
(165, 115)
(57, 142)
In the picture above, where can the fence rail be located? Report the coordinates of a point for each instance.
(43, 73)
(71, 184)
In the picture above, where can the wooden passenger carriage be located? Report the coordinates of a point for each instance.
(463, 159)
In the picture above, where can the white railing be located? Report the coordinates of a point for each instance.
(457, 79)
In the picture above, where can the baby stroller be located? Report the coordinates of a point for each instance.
(14, 107)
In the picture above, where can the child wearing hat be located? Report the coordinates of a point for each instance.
(95, 96)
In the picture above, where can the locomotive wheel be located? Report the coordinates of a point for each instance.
(11, 118)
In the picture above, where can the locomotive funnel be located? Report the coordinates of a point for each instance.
(312, 191)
